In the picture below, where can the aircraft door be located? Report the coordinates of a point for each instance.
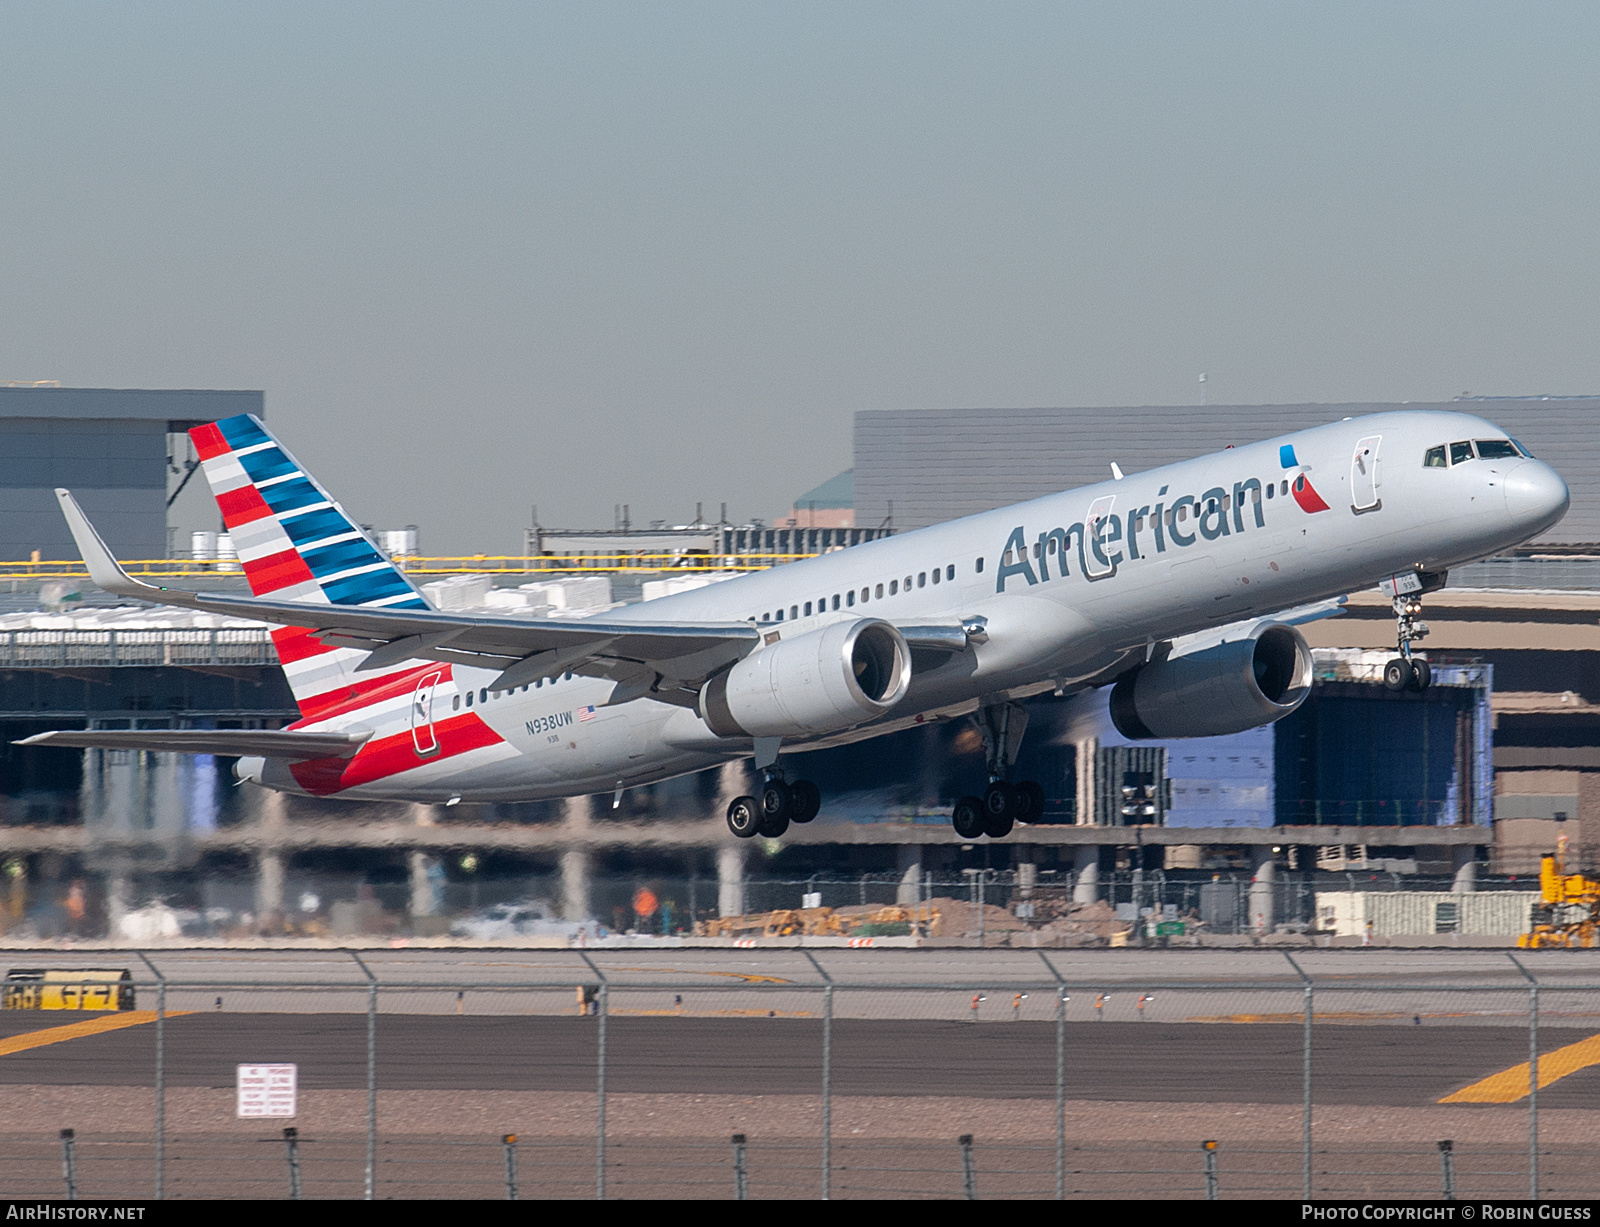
(423, 738)
(1364, 476)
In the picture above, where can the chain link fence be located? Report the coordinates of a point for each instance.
(800, 1073)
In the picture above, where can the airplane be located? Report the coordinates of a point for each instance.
(1181, 587)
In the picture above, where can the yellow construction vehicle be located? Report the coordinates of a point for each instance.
(1569, 906)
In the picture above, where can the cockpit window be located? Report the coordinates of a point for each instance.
(1496, 449)
(1523, 448)
(1434, 459)
(1460, 453)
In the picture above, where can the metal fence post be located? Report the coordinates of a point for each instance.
(1533, 1077)
(69, 1165)
(600, 1097)
(372, 1077)
(509, 1141)
(602, 1013)
(1210, 1149)
(827, 1077)
(740, 1187)
(161, 1077)
(1447, 1161)
(291, 1141)
(1061, 1078)
(1305, 1076)
(968, 1178)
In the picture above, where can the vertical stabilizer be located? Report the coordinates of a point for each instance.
(296, 543)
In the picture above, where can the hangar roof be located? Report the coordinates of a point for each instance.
(180, 407)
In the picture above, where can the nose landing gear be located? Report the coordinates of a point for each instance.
(1406, 590)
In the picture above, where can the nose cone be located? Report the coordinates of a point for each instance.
(1536, 496)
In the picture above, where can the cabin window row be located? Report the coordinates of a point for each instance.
(484, 694)
(871, 592)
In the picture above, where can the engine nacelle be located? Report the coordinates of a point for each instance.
(819, 682)
(1223, 689)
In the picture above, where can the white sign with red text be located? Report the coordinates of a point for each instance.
(267, 1090)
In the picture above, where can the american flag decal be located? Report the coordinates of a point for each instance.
(586, 713)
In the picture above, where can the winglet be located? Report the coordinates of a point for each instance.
(104, 570)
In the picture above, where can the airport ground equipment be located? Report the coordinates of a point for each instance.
(1569, 909)
(38, 988)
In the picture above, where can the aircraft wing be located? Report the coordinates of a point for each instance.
(269, 743)
(639, 655)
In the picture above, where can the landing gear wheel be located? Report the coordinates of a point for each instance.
(744, 816)
(1000, 800)
(776, 800)
(1397, 674)
(806, 799)
(1421, 674)
(773, 826)
(1030, 801)
(967, 817)
(997, 828)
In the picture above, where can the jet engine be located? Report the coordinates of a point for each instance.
(819, 682)
(1226, 688)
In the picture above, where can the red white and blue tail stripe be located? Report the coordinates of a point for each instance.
(296, 543)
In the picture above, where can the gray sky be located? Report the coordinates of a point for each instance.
(482, 256)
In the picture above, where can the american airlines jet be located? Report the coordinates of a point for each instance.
(1180, 588)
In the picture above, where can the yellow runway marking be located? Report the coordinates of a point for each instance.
(1510, 1085)
(1330, 1016)
(72, 1031)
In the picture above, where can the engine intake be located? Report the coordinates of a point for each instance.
(819, 682)
(1223, 689)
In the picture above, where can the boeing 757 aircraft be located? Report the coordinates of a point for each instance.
(1180, 587)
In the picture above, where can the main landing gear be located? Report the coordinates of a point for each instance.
(778, 803)
(1405, 671)
(1003, 803)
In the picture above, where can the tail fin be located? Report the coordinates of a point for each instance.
(296, 543)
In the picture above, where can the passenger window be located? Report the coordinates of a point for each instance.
(808, 609)
(1285, 490)
(469, 698)
(455, 703)
(1272, 488)
(936, 575)
(1434, 458)
(483, 694)
(1183, 514)
(1460, 453)
(1255, 494)
(908, 583)
(922, 579)
(879, 592)
(866, 595)
(836, 600)
(850, 597)
(794, 611)
(894, 586)
(1496, 449)
(780, 615)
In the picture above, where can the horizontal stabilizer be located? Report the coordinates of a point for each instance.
(232, 743)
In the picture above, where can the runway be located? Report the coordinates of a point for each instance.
(1123, 1061)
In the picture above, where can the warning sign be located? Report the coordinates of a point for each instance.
(267, 1090)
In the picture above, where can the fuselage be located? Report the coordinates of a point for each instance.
(1069, 585)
